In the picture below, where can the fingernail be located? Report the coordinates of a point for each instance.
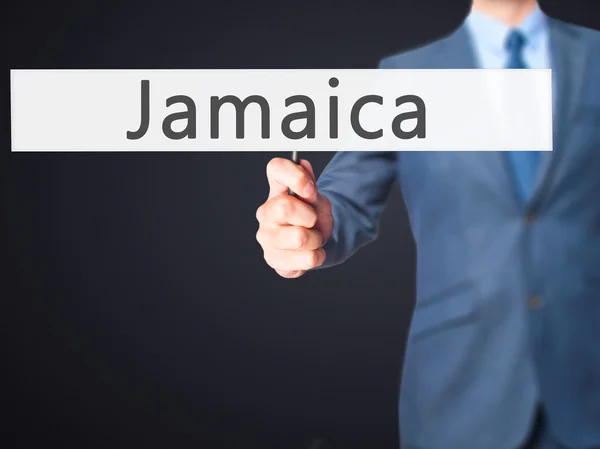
(308, 190)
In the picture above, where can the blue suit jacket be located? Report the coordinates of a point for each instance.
(508, 294)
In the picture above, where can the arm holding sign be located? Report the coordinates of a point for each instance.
(325, 222)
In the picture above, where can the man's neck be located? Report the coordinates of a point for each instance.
(511, 12)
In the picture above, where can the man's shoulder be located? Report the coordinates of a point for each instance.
(422, 55)
(590, 36)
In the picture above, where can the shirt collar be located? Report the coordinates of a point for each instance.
(492, 33)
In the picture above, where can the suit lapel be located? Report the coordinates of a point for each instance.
(568, 56)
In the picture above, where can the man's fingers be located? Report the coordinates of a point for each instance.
(288, 260)
(284, 174)
(298, 238)
(290, 238)
(290, 274)
(285, 209)
(308, 167)
(291, 246)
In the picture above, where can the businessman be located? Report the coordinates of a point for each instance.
(504, 345)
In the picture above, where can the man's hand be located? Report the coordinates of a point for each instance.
(293, 230)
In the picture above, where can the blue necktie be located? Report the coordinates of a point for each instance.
(524, 163)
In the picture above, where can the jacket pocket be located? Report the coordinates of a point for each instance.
(452, 307)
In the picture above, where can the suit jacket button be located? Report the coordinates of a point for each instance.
(530, 218)
(535, 302)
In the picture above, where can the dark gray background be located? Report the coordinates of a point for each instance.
(137, 308)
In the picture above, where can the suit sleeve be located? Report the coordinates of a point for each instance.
(357, 184)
